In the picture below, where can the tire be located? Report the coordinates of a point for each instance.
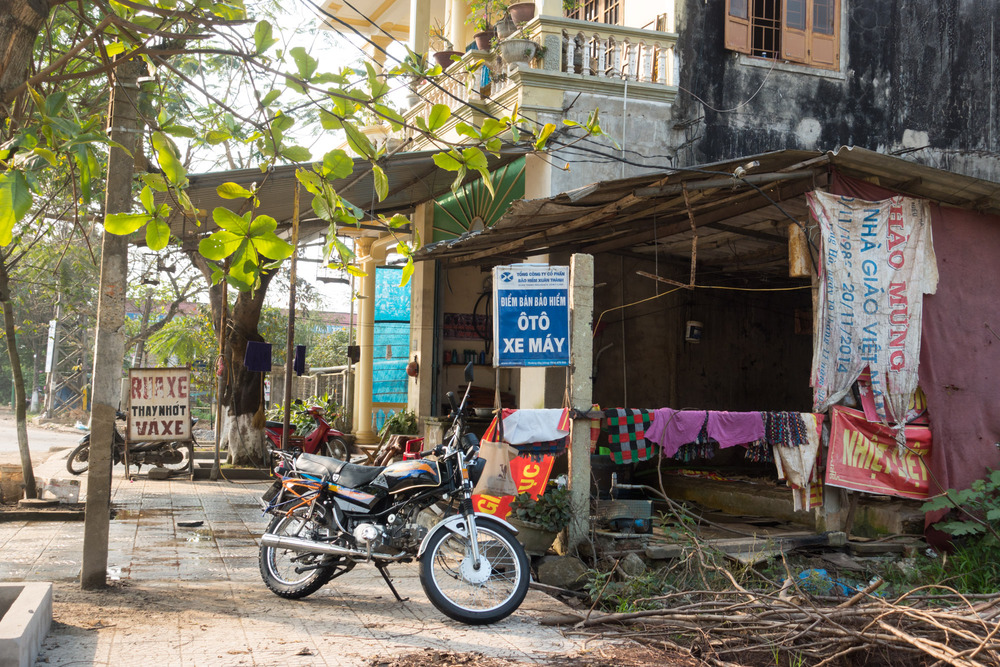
(180, 449)
(79, 460)
(277, 566)
(335, 448)
(475, 603)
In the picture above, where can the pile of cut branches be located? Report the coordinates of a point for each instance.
(738, 626)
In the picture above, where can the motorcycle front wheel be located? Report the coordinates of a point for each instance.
(79, 459)
(468, 595)
(291, 574)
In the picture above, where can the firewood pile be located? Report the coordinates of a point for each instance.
(924, 627)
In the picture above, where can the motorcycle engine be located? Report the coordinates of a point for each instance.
(404, 533)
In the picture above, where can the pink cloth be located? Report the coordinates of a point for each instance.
(735, 428)
(673, 428)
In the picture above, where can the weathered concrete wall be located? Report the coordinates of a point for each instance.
(918, 78)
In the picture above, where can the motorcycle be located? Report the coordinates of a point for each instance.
(323, 439)
(163, 454)
(330, 515)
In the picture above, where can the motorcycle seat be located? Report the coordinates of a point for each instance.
(337, 471)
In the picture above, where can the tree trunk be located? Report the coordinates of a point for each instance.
(243, 392)
(20, 22)
(20, 409)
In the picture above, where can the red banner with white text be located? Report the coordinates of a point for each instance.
(528, 475)
(864, 456)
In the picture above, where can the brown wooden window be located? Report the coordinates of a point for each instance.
(801, 31)
(597, 11)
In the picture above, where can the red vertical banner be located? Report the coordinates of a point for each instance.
(864, 456)
(529, 475)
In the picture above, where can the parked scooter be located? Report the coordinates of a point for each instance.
(329, 515)
(323, 439)
(163, 454)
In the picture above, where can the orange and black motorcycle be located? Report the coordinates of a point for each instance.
(329, 515)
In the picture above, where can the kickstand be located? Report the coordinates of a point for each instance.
(385, 575)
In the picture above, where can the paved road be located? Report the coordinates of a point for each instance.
(40, 440)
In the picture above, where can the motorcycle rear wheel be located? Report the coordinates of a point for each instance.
(79, 459)
(278, 566)
(177, 449)
(335, 448)
(465, 594)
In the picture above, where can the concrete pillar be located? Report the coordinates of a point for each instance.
(375, 49)
(366, 340)
(420, 23)
(581, 355)
(423, 342)
(458, 10)
(548, 8)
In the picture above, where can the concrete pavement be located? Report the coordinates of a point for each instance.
(193, 595)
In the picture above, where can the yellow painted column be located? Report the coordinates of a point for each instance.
(363, 432)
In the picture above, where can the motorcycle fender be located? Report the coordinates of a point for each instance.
(456, 524)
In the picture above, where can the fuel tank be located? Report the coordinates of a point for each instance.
(406, 475)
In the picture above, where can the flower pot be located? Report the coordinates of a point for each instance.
(535, 539)
(443, 58)
(505, 27)
(483, 39)
(518, 50)
(522, 12)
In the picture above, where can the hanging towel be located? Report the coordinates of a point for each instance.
(627, 434)
(299, 363)
(796, 464)
(673, 428)
(258, 356)
(735, 428)
(525, 426)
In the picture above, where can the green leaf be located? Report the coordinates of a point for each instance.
(450, 161)
(155, 181)
(113, 49)
(226, 219)
(467, 130)
(381, 182)
(220, 245)
(232, 190)
(15, 201)
(544, 135)
(337, 164)
(993, 514)
(216, 137)
(270, 97)
(166, 155)
(330, 121)
(125, 223)
(304, 62)
(474, 158)
(491, 128)
(146, 197)
(407, 272)
(263, 37)
(439, 115)
(179, 131)
(310, 180)
(358, 142)
(261, 225)
(157, 235)
(296, 153)
(396, 121)
(272, 247)
(356, 271)
(398, 221)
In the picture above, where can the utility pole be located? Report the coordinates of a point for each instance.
(109, 347)
(52, 361)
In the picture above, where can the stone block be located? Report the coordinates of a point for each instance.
(25, 618)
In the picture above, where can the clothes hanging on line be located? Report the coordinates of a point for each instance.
(627, 434)
(671, 429)
(797, 463)
(735, 428)
(786, 428)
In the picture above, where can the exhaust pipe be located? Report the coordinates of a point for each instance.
(310, 546)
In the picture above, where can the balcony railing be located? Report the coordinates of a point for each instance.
(574, 53)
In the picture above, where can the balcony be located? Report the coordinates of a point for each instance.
(576, 56)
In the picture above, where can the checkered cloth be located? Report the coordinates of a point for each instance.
(627, 434)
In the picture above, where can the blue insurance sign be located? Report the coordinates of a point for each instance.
(531, 315)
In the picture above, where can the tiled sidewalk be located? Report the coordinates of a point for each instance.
(193, 596)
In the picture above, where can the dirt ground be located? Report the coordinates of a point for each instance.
(617, 656)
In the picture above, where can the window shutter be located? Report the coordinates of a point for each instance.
(824, 48)
(737, 34)
(793, 32)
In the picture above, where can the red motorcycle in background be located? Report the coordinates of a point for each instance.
(323, 439)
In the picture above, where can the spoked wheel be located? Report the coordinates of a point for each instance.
(292, 574)
(79, 459)
(459, 590)
(335, 448)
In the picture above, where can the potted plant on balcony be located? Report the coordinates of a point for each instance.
(444, 51)
(482, 14)
(522, 12)
(539, 520)
(514, 50)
